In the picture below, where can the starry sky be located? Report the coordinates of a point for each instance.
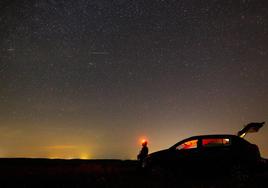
(89, 79)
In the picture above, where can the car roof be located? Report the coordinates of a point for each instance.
(211, 136)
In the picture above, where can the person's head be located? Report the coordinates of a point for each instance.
(144, 143)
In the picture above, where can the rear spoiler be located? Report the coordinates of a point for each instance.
(250, 128)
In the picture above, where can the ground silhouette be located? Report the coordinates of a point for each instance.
(105, 173)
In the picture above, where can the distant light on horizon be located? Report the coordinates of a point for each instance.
(84, 156)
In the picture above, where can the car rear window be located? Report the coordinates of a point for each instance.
(214, 142)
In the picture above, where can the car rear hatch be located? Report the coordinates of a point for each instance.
(250, 128)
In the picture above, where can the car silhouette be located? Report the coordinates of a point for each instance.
(212, 154)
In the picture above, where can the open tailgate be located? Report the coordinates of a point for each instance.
(250, 128)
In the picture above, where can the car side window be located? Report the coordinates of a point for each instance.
(191, 144)
(215, 142)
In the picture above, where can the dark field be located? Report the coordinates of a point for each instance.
(108, 173)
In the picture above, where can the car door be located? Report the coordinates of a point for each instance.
(186, 154)
(215, 152)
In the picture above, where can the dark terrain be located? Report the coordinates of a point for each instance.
(108, 173)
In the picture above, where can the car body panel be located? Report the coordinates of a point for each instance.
(210, 152)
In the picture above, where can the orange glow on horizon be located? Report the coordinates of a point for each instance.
(60, 147)
(84, 156)
(68, 152)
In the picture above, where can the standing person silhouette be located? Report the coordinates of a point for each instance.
(143, 153)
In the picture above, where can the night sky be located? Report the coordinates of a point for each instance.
(89, 79)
